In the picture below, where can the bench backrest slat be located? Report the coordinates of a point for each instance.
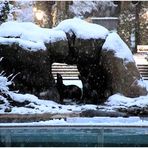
(142, 48)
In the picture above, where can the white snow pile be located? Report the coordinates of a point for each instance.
(118, 101)
(32, 37)
(38, 106)
(28, 35)
(83, 29)
(114, 43)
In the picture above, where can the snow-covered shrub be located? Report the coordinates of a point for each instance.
(21, 11)
(10, 99)
(4, 92)
(89, 8)
(4, 10)
(4, 83)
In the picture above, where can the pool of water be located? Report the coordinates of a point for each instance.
(73, 136)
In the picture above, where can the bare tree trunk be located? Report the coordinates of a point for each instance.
(46, 6)
(137, 25)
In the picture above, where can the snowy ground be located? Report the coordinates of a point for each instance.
(39, 106)
(146, 82)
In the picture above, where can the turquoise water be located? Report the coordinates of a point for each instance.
(73, 136)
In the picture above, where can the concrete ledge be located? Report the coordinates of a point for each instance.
(18, 118)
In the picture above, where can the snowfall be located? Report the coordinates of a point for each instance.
(31, 37)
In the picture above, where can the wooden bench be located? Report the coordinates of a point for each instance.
(142, 49)
(68, 72)
(143, 67)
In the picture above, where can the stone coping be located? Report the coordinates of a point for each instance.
(18, 118)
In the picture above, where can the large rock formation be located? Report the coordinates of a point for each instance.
(105, 63)
(25, 55)
(32, 70)
(118, 62)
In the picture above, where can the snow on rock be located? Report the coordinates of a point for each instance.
(116, 44)
(23, 97)
(32, 37)
(83, 29)
(28, 45)
(37, 105)
(42, 106)
(118, 101)
(28, 35)
(141, 83)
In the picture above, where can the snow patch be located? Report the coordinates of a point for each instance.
(33, 38)
(28, 35)
(83, 29)
(116, 44)
(78, 121)
(141, 83)
(118, 101)
(23, 97)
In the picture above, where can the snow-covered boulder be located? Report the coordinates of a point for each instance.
(28, 51)
(84, 39)
(118, 62)
(104, 61)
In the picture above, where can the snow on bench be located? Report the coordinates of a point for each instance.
(68, 72)
(142, 48)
